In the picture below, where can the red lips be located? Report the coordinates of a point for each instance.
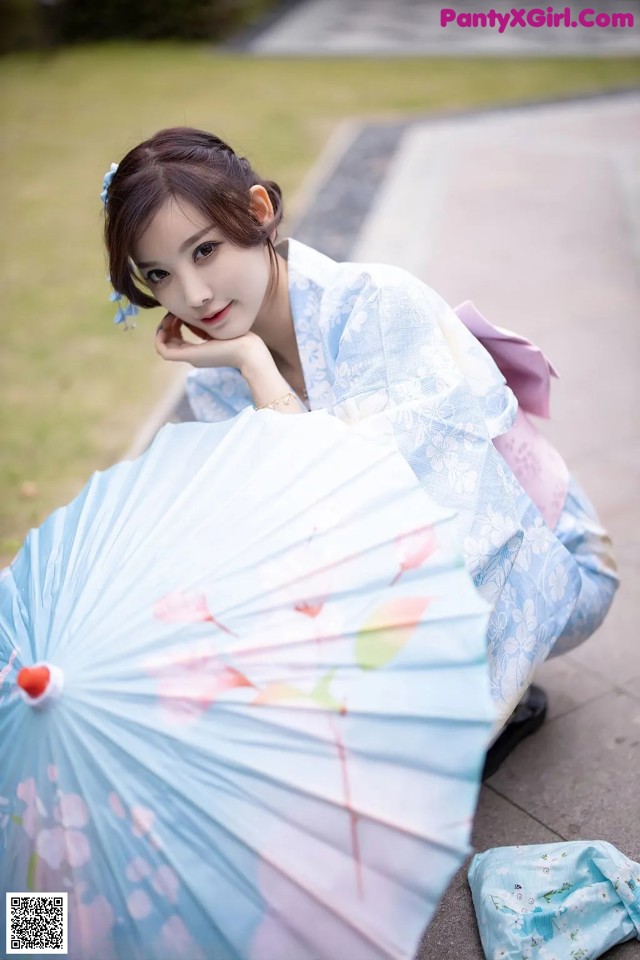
(220, 315)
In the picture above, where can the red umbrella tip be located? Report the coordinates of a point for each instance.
(34, 680)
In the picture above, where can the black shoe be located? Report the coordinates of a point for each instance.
(527, 717)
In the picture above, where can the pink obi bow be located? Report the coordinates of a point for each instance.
(536, 463)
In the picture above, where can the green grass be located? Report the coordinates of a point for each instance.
(74, 387)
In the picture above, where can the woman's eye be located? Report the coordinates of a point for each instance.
(205, 250)
(156, 276)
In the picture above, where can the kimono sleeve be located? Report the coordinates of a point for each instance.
(399, 358)
(217, 393)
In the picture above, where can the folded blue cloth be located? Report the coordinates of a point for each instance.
(555, 901)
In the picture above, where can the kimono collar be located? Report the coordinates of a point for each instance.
(309, 274)
(305, 262)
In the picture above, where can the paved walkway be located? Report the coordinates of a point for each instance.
(413, 27)
(535, 215)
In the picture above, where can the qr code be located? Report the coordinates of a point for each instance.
(37, 923)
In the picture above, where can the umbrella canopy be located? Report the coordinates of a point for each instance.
(244, 699)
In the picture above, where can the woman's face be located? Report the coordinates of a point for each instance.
(200, 276)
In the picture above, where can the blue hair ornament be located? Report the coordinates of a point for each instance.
(130, 310)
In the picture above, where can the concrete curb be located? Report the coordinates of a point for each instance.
(240, 42)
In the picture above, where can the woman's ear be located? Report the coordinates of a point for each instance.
(260, 203)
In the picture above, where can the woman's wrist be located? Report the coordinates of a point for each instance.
(268, 387)
(285, 400)
(257, 361)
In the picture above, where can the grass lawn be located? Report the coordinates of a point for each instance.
(75, 388)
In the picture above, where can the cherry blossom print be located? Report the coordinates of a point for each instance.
(496, 526)
(115, 803)
(190, 679)
(35, 810)
(27, 791)
(176, 941)
(192, 657)
(139, 904)
(441, 453)
(189, 693)
(71, 811)
(142, 819)
(558, 581)
(414, 549)
(186, 607)
(310, 608)
(77, 847)
(90, 923)
(137, 870)
(165, 882)
(476, 553)
(463, 479)
(51, 846)
(57, 846)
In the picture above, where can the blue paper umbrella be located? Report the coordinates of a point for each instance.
(244, 700)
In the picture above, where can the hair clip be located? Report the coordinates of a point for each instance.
(123, 313)
(130, 310)
(106, 182)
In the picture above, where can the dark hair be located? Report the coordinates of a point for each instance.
(190, 165)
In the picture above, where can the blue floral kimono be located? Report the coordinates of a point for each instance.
(555, 901)
(377, 344)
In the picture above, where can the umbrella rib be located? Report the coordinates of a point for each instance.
(223, 613)
(382, 579)
(341, 915)
(71, 762)
(240, 651)
(234, 765)
(427, 622)
(237, 709)
(266, 535)
(237, 874)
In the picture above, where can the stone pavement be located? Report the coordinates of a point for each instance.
(413, 27)
(534, 214)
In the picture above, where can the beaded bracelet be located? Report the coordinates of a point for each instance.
(286, 399)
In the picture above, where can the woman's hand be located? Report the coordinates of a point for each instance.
(238, 352)
(249, 354)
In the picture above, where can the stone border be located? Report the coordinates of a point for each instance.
(345, 198)
(240, 42)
